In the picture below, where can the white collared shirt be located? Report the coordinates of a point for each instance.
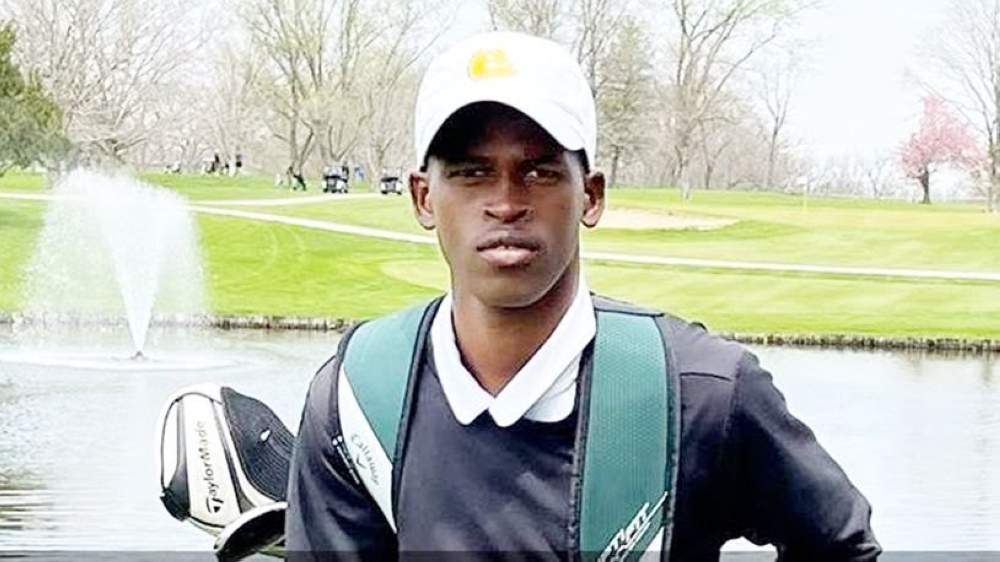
(543, 390)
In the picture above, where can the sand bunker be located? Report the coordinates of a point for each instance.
(633, 219)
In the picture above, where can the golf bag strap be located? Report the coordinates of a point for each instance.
(372, 392)
(628, 425)
(628, 440)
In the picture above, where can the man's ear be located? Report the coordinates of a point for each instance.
(420, 196)
(593, 204)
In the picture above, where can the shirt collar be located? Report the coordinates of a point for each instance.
(544, 389)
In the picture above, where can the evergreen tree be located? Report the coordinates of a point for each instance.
(30, 120)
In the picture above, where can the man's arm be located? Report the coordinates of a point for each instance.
(789, 491)
(330, 513)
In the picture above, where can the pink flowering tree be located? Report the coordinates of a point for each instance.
(942, 139)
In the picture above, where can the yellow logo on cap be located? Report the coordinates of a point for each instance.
(490, 63)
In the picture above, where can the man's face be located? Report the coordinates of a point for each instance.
(507, 201)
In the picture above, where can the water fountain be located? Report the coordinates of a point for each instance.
(116, 265)
(113, 252)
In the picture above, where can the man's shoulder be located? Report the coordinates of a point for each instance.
(695, 350)
(699, 352)
(607, 304)
(402, 326)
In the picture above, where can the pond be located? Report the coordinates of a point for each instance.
(918, 434)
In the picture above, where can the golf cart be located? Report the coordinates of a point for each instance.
(390, 182)
(334, 180)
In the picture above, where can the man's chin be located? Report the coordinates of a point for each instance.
(514, 303)
(511, 294)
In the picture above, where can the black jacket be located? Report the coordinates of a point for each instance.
(748, 469)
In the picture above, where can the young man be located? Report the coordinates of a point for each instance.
(489, 452)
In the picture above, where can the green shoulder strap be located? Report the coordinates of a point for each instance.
(630, 444)
(628, 439)
(377, 362)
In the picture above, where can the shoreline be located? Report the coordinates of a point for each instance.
(857, 342)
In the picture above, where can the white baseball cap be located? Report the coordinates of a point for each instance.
(535, 76)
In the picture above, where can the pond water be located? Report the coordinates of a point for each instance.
(918, 434)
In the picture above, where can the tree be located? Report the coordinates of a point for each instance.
(594, 20)
(964, 56)
(777, 79)
(588, 26)
(333, 68)
(877, 171)
(715, 40)
(941, 139)
(626, 91)
(293, 38)
(111, 65)
(30, 121)
(537, 17)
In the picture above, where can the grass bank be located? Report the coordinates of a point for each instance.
(259, 268)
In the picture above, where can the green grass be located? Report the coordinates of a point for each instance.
(194, 187)
(264, 268)
(205, 187)
(765, 302)
(22, 182)
(779, 228)
(769, 228)
(20, 225)
(385, 212)
(759, 302)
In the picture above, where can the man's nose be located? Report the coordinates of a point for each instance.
(510, 200)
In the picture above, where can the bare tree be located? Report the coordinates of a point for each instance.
(234, 110)
(776, 79)
(654, 164)
(596, 23)
(537, 17)
(613, 49)
(712, 145)
(588, 26)
(335, 71)
(392, 77)
(715, 40)
(964, 54)
(730, 154)
(111, 65)
(877, 171)
(292, 38)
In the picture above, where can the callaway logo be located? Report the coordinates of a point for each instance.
(364, 459)
(626, 539)
(213, 502)
(345, 457)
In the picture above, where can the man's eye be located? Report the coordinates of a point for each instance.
(472, 172)
(543, 174)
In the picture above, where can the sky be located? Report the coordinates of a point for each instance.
(856, 97)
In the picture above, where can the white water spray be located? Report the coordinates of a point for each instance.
(115, 248)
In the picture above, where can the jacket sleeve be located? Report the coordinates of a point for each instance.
(789, 492)
(330, 513)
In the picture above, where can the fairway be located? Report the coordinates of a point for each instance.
(272, 269)
(765, 228)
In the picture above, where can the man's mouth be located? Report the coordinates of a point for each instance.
(508, 250)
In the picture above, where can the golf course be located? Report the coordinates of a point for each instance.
(748, 263)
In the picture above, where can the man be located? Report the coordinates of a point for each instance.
(505, 135)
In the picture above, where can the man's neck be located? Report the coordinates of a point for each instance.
(495, 343)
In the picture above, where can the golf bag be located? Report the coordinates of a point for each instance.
(225, 457)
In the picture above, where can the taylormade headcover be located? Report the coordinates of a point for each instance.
(221, 454)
